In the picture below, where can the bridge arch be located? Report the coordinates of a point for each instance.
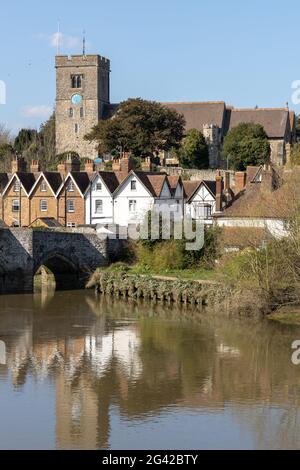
(67, 272)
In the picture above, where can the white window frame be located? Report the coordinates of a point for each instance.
(15, 203)
(207, 210)
(70, 202)
(43, 205)
(71, 224)
(98, 206)
(71, 187)
(133, 183)
(99, 186)
(43, 187)
(17, 186)
(132, 206)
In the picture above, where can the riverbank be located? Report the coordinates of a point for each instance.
(160, 288)
(288, 315)
(185, 287)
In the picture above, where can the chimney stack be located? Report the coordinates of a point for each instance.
(127, 163)
(72, 163)
(61, 168)
(146, 164)
(240, 181)
(35, 166)
(116, 166)
(227, 181)
(219, 184)
(18, 164)
(89, 166)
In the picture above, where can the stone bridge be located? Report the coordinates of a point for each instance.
(70, 256)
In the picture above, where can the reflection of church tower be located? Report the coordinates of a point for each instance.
(82, 91)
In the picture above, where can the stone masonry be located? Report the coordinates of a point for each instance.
(75, 120)
(71, 256)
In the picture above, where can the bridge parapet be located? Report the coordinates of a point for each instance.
(67, 254)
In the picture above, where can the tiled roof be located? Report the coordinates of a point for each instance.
(242, 237)
(110, 179)
(54, 179)
(211, 186)
(197, 114)
(27, 180)
(152, 181)
(275, 121)
(263, 199)
(121, 175)
(82, 180)
(251, 172)
(173, 183)
(190, 187)
(48, 221)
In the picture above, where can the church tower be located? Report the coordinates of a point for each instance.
(82, 92)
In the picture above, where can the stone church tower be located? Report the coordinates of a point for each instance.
(82, 92)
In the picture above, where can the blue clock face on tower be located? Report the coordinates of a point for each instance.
(77, 99)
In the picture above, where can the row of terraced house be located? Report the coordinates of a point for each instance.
(242, 203)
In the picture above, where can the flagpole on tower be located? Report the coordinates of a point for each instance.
(83, 43)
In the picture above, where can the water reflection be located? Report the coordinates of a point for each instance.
(120, 374)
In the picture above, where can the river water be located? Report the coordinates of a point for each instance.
(83, 372)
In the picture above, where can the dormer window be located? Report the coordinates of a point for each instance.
(71, 187)
(17, 186)
(43, 187)
(76, 81)
(133, 185)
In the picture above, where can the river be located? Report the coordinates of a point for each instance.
(81, 372)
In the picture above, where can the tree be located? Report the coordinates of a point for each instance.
(140, 127)
(6, 149)
(298, 127)
(194, 151)
(24, 139)
(295, 155)
(246, 144)
(39, 145)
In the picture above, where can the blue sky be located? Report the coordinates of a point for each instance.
(169, 50)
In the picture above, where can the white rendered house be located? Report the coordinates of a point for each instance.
(200, 202)
(99, 202)
(139, 193)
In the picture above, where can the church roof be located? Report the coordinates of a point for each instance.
(198, 114)
(275, 121)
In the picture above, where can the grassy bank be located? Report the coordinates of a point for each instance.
(128, 284)
(287, 315)
(194, 274)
